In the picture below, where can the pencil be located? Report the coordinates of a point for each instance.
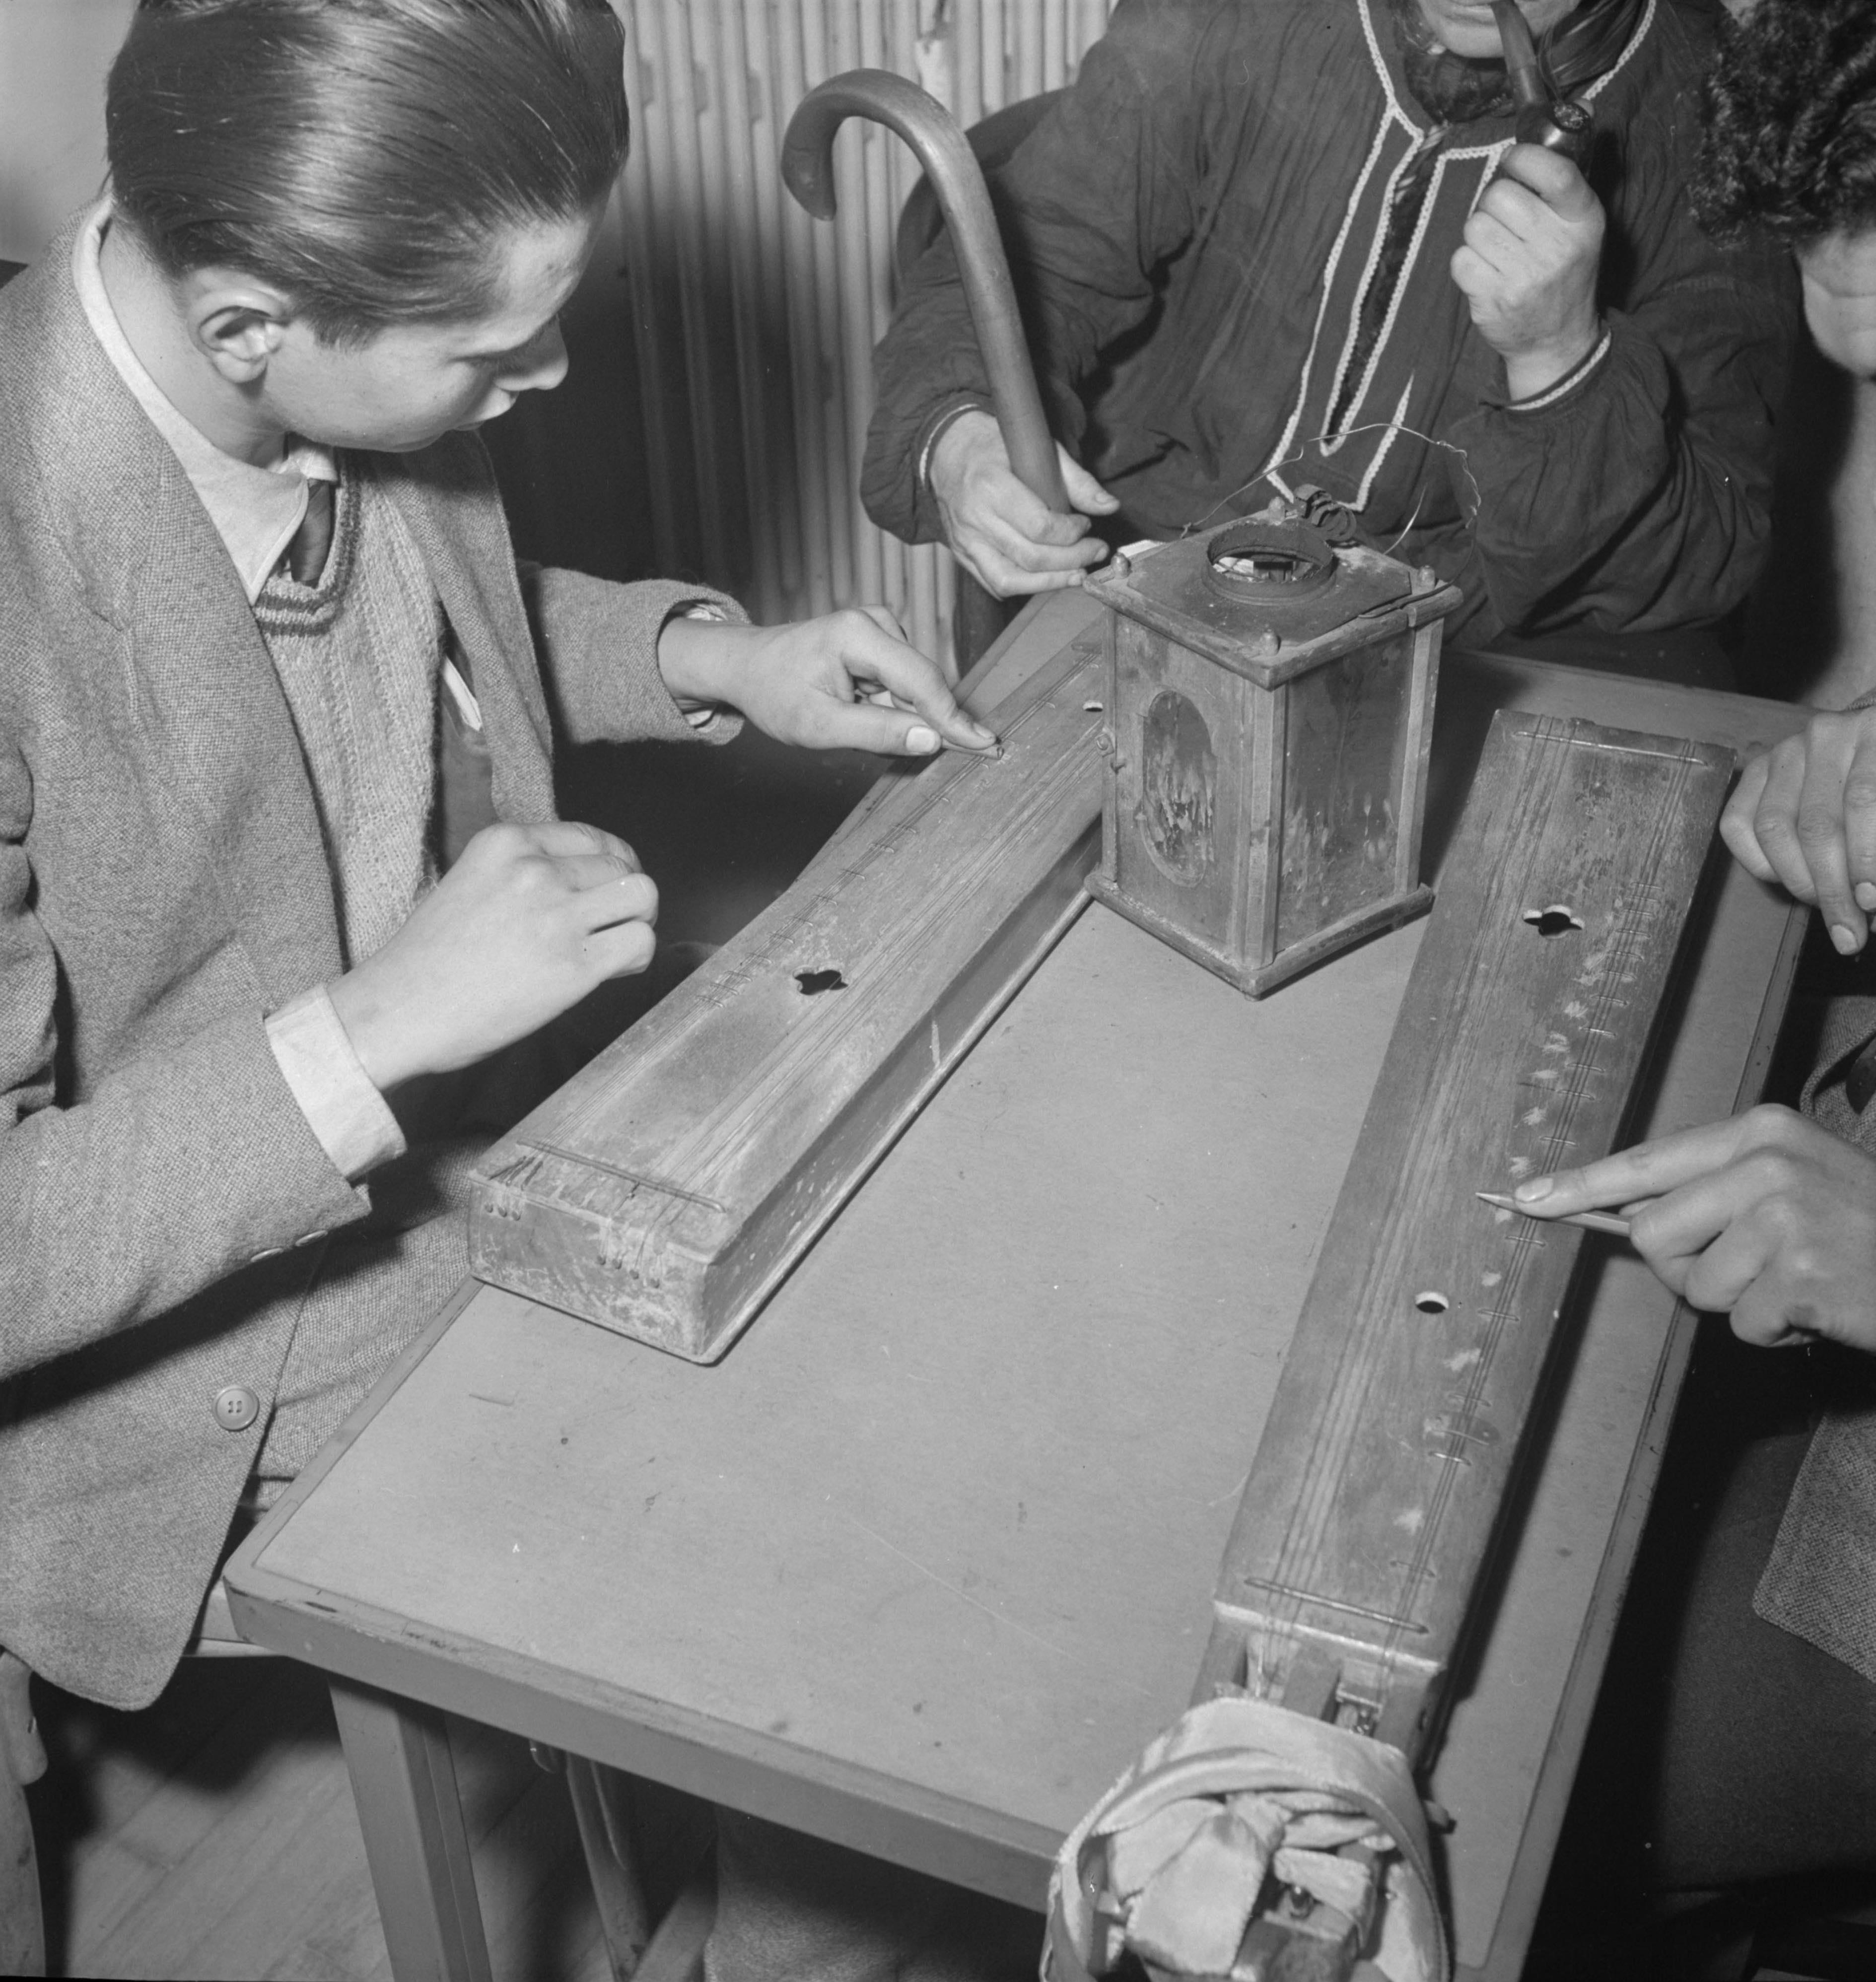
(1590, 1221)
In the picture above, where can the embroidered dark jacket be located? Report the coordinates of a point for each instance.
(1193, 225)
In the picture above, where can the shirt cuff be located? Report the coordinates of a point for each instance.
(343, 1107)
(945, 418)
(1570, 381)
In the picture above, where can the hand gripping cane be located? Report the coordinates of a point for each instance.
(952, 167)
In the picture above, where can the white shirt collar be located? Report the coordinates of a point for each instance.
(256, 510)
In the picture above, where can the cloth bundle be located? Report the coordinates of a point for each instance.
(1170, 1864)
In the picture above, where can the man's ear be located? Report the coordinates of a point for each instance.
(236, 323)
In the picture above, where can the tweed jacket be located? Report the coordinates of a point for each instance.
(164, 1205)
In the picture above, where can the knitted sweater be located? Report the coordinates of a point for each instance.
(358, 654)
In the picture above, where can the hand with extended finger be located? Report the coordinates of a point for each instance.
(1532, 253)
(1804, 814)
(848, 682)
(1764, 1217)
(1008, 539)
(529, 919)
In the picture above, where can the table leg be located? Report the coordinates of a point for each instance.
(612, 1861)
(404, 1782)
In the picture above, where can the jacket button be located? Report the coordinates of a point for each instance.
(309, 1239)
(236, 1407)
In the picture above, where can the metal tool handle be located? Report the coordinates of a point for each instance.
(951, 166)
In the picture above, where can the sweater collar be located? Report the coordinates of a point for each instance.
(255, 511)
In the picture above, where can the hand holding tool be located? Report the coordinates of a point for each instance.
(952, 168)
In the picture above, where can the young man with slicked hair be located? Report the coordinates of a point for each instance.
(286, 914)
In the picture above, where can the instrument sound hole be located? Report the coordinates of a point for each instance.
(1558, 919)
(814, 982)
(1431, 1304)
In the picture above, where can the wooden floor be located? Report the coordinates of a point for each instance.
(213, 1837)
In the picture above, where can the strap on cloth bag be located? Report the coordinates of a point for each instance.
(1235, 1787)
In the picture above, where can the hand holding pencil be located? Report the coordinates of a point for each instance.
(1763, 1217)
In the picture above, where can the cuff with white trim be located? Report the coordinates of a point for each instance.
(934, 429)
(1570, 381)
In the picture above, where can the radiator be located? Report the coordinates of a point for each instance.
(753, 325)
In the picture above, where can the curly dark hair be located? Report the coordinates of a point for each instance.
(1791, 138)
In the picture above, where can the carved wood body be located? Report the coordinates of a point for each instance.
(666, 1189)
(1388, 1451)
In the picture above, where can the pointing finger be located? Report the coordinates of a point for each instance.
(916, 686)
(1647, 1170)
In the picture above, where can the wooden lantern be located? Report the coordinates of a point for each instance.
(1270, 701)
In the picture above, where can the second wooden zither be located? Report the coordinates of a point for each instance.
(1389, 1447)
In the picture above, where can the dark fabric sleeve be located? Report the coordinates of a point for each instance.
(1096, 197)
(1640, 500)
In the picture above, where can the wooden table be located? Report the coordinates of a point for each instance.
(926, 1559)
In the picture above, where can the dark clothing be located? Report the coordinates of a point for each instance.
(1735, 1741)
(1820, 1579)
(1193, 226)
(1725, 1753)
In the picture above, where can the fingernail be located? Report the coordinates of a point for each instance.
(1866, 894)
(1845, 939)
(1529, 1193)
(920, 741)
(985, 737)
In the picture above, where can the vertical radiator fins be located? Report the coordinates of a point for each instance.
(753, 325)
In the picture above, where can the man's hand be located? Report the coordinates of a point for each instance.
(1009, 540)
(1764, 1217)
(1533, 250)
(1804, 814)
(529, 919)
(846, 682)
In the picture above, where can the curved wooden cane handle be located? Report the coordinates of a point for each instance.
(942, 149)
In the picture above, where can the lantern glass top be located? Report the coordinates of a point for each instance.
(1267, 598)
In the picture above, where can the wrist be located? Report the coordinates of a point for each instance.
(699, 660)
(1532, 372)
(371, 1026)
(950, 454)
